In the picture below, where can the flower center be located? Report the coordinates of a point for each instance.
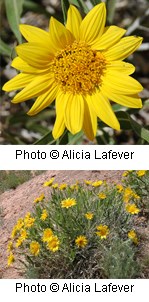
(78, 68)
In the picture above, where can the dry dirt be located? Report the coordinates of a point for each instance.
(15, 203)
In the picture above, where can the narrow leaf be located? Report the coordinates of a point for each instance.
(5, 49)
(111, 6)
(47, 139)
(65, 6)
(13, 11)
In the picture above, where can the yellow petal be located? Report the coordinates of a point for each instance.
(44, 100)
(111, 36)
(92, 26)
(90, 121)
(34, 34)
(59, 34)
(59, 125)
(104, 110)
(125, 47)
(35, 55)
(132, 101)
(74, 112)
(38, 86)
(19, 81)
(73, 21)
(121, 83)
(19, 64)
(120, 66)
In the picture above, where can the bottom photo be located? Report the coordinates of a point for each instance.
(74, 224)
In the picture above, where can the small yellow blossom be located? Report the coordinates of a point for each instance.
(74, 187)
(40, 198)
(49, 182)
(97, 183)
(10, 246)
(125, 173)
(23, 234)
(14, 232)
(20, 223)
(11, 259)
(53, 244)
(120, 188)
(19, 242)
(81, 241)
(103, 231)
(89, 215)
(128, 193)
(102, 195)
(88, 182)
(67, 203)
(62, 186)
(28, 220)
(55, 186)
(132, 209)
(47, 233)
(44, 215)
(133, 236)
(34, 248)
(141, 173)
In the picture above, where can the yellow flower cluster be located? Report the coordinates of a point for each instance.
(67, 203)
(133, 236)
(51, 240)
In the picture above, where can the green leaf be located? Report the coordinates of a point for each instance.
(65, 6)
(13, 11)
(142, 132)
(46, 140)
(5, 49)
(95, 2)
(111, 6)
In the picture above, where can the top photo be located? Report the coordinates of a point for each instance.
(74, 72)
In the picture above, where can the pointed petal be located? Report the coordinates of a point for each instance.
(121, 83)
(120, 66)
(44, 100)
(92, 26)
(35, 55)
(131, 101)
(90, 121)
(19, 81)
(38, 86)
(125, 47)
(73, 21)
(19, 64)
(59, 125)
(104, 110)
(111, 36)
(35, 34)
(74, 113)
(59, 34)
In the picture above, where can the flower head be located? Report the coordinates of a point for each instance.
(10, 246)
(87, 182)
(102, 195)
(47, 233)
(49, 182)
(103, 231)
(81, 241)
(34, 248)
(62, 187)
(53, 244)
(132, 208)
(40, 198)
(97, 183)
(44, 215)
(141, 173)
(120, 188)
(81, 66)
(11, 259)
(89, 215)
(133, 236)
(67, 203)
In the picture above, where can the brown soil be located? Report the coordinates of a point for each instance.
(15, 203)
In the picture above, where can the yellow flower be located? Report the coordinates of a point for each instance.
(128, 193)
(19, 242)
(44, 215)
(14, 232)
(20, 224)
(133, 236)
(120, 188)
(103, 231)
(34, 248)
(141, 173)
(132, 208)
(47, 233)
(88, 182)
(23, 234)
(125, 173)
(81, 241)
(55, 186)
(67, 203)
(53, 244)
(97, 183)
(81, 66)
(40, 198)
(102, 195)
(49, 182)
(11, 259)
(10, 246)
(89, 215)
(62, 186)
(74, 187)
